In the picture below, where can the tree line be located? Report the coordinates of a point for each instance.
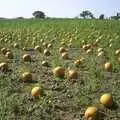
(84, 14)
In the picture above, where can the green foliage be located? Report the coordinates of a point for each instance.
(86, 14)
(39, 14)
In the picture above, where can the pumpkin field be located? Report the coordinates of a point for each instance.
(59, 69)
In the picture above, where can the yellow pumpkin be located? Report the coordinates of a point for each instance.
(59, 72)
(108, 66)
(91, 113)
(44, 63)
(45, 44)
(117, 52)
(78, 62)
(89, 51)
(100, 49)
(3, 50)
(47, 52)
(27, 77)
(49, 45)
(106, 99)
(64, 55)
(26, 57)
(16, 45)
(4, 67)
(37, 91)
(62, 49)
(100, 54)
(72, 74)
(38, 48)
(9, 55)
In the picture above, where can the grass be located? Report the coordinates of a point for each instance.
(63, 100)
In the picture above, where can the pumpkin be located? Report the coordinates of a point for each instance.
(36, 91)
(9, 55)
(26, 57)
(72, 74)
(108, 66)
(106, 99)
(91, 113)
(27, 77)
(59, 72)
(4, 67)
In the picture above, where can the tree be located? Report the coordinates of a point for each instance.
(86, 14)
(20, 18)
(39, 14)
(101, 17)
(117, 17)
(118, 14)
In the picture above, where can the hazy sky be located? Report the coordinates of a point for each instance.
(57, 8)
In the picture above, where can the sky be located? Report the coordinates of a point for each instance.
(57, 8)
